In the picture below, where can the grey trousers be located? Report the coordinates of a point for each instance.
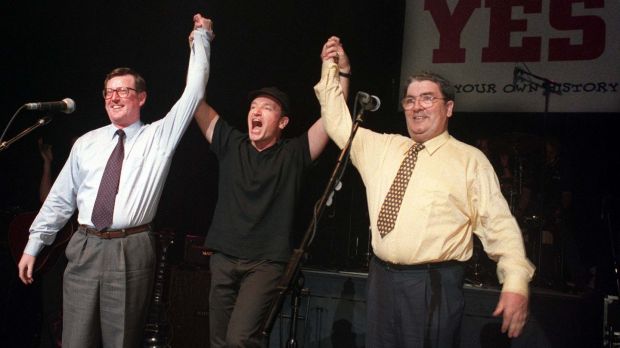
(241, 294)
(107, 289)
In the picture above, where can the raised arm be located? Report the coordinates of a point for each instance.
(206, 117)
(200, 54)
(171, 128)
(332, 51)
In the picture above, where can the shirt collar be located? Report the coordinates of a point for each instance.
(130, 130)
(434, 144)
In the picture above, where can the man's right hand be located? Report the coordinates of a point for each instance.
(25, 267)
(333, 50)
(202, 22)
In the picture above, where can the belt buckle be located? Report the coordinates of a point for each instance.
(106, 235)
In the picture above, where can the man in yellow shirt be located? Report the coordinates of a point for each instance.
(422, 235)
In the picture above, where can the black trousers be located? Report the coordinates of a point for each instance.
(241, 294)
(417, 307)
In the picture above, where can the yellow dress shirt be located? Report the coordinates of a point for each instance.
(453, 193)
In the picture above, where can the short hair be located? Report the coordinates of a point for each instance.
(140, 84)
(447, 90)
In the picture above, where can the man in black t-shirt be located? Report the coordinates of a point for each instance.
(259, 185)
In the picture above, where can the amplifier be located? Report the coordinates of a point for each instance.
(188, 301)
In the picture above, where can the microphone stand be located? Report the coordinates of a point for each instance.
(40, 122)
(292, 272)
(546, 84)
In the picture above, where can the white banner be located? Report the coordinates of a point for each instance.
(570, 48)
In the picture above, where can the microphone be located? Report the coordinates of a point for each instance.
(66, 105)
(369, 102)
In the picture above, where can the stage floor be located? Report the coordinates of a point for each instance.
(333, 314)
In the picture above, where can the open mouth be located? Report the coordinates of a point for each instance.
(257, 124)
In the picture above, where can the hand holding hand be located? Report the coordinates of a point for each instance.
(333, 50)
(202, 22)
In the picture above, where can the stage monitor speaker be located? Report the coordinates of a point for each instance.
(332, 315)
(188, 303)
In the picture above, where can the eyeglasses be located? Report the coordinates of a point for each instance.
(426, 101)
(122, 92)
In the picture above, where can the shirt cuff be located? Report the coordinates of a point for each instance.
(34, 247)
(516, 284)
(209, 34)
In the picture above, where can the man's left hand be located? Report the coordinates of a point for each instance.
(513, 308)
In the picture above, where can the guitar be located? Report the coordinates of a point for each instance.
(18, 238)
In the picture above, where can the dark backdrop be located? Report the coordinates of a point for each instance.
(53, 50)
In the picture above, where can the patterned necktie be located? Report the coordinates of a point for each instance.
(103, 211)
(391, 204)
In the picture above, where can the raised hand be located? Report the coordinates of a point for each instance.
(201, 22)
(333, 49)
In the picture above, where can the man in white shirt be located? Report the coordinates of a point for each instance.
(111, 263)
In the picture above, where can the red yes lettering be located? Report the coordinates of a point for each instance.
(499, 49)
(450, 25)
(592, 27)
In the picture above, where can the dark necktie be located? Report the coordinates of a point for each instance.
(103, 210)
(391, 204)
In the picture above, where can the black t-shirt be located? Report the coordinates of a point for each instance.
(257, 195)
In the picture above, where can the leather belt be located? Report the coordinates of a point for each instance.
(420, 266)
(121, 233)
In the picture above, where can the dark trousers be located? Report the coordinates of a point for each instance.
(107, 290)
(241, 294)
(418, 307)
